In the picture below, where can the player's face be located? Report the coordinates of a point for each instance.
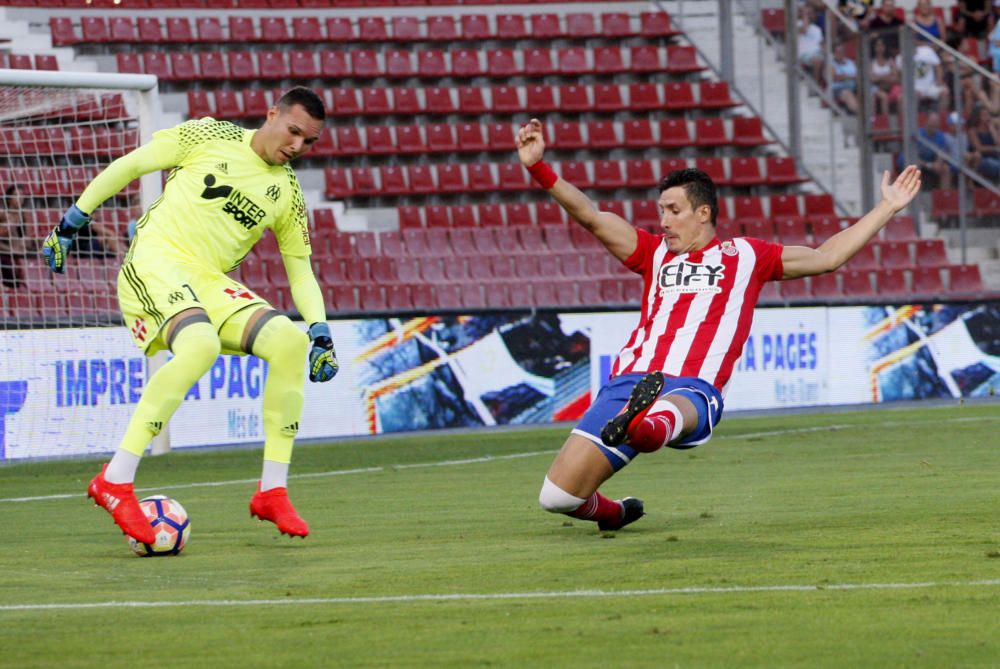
(290, 133)
(683, 225)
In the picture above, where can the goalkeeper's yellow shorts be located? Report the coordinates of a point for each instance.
(150, 294)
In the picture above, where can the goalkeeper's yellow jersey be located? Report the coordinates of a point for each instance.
(220, 198)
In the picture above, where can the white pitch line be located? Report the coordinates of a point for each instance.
(477, 460)
(470, 597)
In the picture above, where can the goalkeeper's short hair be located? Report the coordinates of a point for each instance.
(300, 95)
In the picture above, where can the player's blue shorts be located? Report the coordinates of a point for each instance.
(612, 397)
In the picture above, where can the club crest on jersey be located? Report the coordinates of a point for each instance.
(728, 248)
(241, 208)
(273, 192)
(690, 277)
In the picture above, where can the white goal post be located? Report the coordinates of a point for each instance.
(67, 384)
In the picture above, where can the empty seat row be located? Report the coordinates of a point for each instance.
(60, 140)
(37, 106)
(341, 29)
(924, 282)
(445, 178)
(401, 63)
(946, 203)
(56, 181)
(255, 4)
(21, 61)
(536, 98)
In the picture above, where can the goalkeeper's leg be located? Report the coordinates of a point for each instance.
(195, 345)
(274, 338)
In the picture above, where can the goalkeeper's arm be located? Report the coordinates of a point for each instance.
(308, 299)
(158, 154)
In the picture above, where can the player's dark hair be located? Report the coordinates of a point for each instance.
(698, 186)
(300, 95)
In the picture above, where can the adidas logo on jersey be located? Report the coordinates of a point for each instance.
(223, 167)
(689, 277)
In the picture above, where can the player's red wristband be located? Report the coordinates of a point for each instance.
(543, 174)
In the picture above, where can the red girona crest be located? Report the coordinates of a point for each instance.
(237, 294)
(139, 329)
(729, 249)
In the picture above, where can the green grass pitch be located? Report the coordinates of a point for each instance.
(855, 539)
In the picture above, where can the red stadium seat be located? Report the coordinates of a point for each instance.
(242, 65)
(241, 29)
(406, 29)
(490, 215)
(745, 172)
(538, 62)
(864, 259)
(410, 217)
(645, 214)
(645, 59)
(545, 26)
(615, 25)
(575, 172)
(121, 29)
(500, 63)
(710, 132)
(375, 100)
(442, 28)
(94, 29)
(826, 286)
(227, 104)
(372, 29)
(965, 279)
(379, 140)
(438, 216)
(541, 98)
(656, 24)
(608, 174)
(500, 136)
(785, 208)
(773, 20)
(199, 104)
(715, 95)
(608, 98)
(513, 177)
(334, 65)
(398, 63)
(363, 181)
(438, 100)
(272, 65)
(644, 97)
(781, 171)
(421, 179)
(307, 29)
(209, 29)
(581, 25)
(574, 98)
(945, 203)
(795, 290)
(505, 99)
(344, 102)
(409, 139)
(792, 232)
(182, 66)
(466, 63)
(158, 63)
(451, 178)
(601, 135)
(823, 228)
(819, 205)
(608, 60)
(340, 29)
(364, 63)
(748, 131)
(568, 135)
(274, 29)
(471, 100)
(894, 254)
(674, 133)
(475, 27)
(481, 178)
(470, 137)
(930, 252)
(335, 183)
(349, 140)
(64, 33)
(927, 280)
(303, 64)
(679, 96)
(511, 27)
(891, 281)
(714, 168)
(639, 133)
(682, 60)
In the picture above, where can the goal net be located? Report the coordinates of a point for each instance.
(69, 376)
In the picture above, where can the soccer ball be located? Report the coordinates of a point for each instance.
(170, 522)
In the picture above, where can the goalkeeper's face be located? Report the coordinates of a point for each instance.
(288, 133)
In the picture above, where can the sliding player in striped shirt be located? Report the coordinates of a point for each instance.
(668, 383)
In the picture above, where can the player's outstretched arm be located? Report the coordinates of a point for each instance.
(612, 230)
(801, 261)
(154, 156)
(308, 299)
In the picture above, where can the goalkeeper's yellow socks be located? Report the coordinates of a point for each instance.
(284, 346)
(195, 349)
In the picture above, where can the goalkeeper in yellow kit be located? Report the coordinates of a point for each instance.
(225, 187)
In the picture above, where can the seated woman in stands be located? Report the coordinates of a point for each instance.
(886, 87)
(984, 140)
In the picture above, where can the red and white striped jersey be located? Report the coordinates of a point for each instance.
(696, 307)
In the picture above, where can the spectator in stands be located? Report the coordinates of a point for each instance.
(978, 90)
(933, 165)
(856, 9)
(885, 23)
(12, 237)
(843, 87)
(973, 19)
(668, 381)
(886, 88)
(984, 140)
(993, 47)
(810, 43)
(928, 78)
(98, 240)
(925, 19)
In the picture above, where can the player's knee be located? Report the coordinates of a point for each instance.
(198, 345)
(282, 342)
(554, 499)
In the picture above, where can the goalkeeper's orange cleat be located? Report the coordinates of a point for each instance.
(119, 500)
(274, 505)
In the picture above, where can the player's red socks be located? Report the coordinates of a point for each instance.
(653, 432)
(600, 509)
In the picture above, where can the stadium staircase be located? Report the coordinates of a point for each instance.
(417, 199)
